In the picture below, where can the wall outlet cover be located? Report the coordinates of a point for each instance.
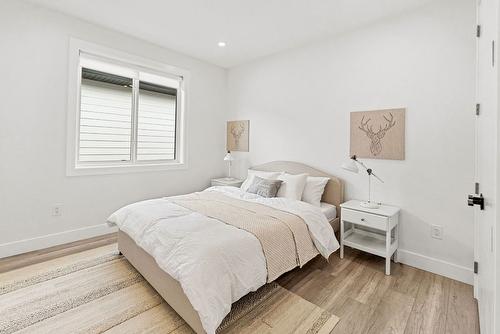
(57, 210)
(437, 231)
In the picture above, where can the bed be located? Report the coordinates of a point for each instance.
(165, 267)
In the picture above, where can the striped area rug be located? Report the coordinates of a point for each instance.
(98, 291)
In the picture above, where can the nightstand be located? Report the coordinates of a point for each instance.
(381, 237)
(227, 181)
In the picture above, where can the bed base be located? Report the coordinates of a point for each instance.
(168, 287)
(335, 223)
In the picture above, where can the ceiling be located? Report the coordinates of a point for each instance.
(251, 28)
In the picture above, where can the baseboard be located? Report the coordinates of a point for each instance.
(436, 266)
(55, 239)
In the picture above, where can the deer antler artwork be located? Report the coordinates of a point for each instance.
(376, 136)
(237, 135)
(237, 131)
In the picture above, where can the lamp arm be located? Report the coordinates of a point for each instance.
(368, 170)
(362, 164)
(378, 178)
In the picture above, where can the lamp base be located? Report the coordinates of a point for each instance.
(370, 205)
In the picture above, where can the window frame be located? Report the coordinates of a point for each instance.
(138, 64)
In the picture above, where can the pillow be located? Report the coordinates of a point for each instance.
(264, 187)
(292, 186)
(315, 186)
(264, 175)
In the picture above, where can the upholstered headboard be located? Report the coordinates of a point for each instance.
(334, 189)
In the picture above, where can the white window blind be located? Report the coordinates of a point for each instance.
(127, 116)
(105, 117)
(156, 122)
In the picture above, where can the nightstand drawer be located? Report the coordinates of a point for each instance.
(365, 219)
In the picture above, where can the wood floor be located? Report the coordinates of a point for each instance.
(23, 260)
(356, 290)
(367, 301)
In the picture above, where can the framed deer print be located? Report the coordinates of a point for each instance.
(237, 136)
(378, 134)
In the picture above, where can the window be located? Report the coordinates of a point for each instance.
(128, 115)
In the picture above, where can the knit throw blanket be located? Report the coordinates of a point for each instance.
(284, 237)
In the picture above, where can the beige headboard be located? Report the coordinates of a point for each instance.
(334, 190)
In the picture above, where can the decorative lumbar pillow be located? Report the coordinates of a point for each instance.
(313, 191)
(264, 187)
(292, 186)
(253, 173)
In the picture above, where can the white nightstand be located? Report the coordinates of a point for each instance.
(227, 181)
(385, 219)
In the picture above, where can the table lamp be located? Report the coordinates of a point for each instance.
(229, 158)
(352, 166)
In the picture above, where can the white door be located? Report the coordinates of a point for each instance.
(486, 156)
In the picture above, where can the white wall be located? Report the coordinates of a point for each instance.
(298, 104)
(34, 73)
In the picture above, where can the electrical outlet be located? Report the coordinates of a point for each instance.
(57, 210)
(437, 232)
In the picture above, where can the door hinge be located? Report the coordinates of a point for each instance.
(476, 188)
(478, 31)
(492, 53)
(478, 109)
(476, 267)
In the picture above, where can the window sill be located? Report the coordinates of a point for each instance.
(124, 169)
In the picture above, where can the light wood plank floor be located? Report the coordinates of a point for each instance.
(367, 301)
(355, 289)
(23, 260)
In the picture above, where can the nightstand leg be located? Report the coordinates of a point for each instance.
(396, 239)
(387, 253)
(341, 239)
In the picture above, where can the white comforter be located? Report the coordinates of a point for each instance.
(215, 263)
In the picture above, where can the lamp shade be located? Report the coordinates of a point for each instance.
(350, 166)
(228, 157)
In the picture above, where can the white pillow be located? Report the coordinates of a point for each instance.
(265, 175)
(313, 191)
(292, 186)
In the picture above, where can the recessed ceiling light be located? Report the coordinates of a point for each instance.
(222, 44)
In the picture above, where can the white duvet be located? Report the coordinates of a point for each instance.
(215, 263)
